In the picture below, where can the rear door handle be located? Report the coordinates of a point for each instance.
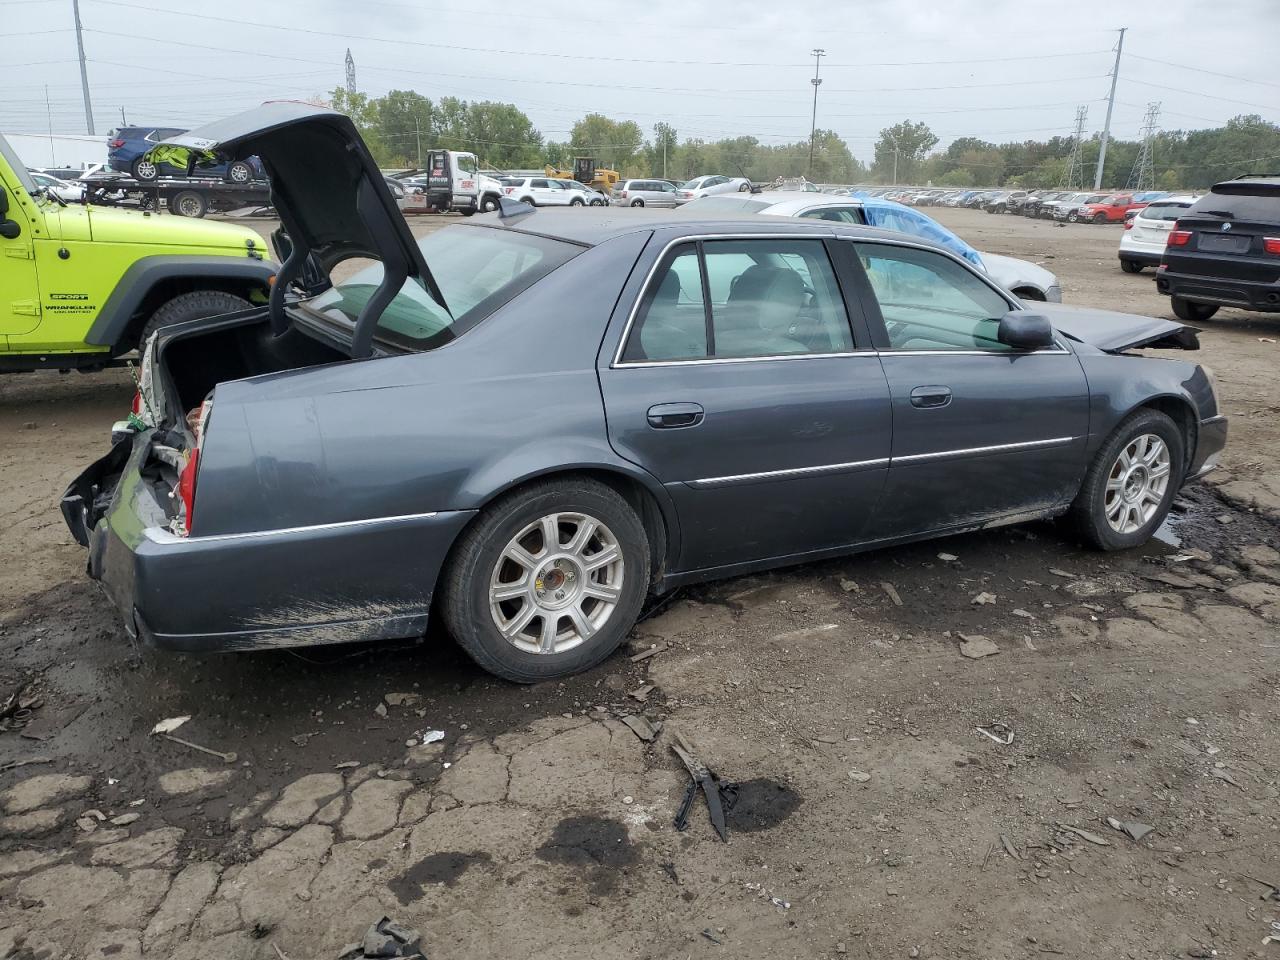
(672, 416)
(932, 396)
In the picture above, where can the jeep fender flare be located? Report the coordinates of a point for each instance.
(112, 322)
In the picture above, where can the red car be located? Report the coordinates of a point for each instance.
(1110, 209)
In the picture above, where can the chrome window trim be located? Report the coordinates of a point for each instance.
(1052, 351)
(707, 482)
(160, 535)
(780, 356)
(969, 451)
(617, 361)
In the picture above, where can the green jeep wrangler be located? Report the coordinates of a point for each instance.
(81, 285)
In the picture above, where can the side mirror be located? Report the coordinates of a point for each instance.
(10, 230)
(1024, 330)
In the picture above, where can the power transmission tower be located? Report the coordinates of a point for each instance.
(1143, 175)
(351, 72)
(1073, 176)
(818, 54)
(84, 73)
(1111, 103)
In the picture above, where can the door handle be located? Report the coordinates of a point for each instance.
(926, 397)
(671, 416)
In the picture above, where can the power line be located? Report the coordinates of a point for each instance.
(1212, 73)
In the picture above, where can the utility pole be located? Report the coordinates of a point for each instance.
(123, 121)
(84, 73)
(1073, 176)
(818, 54)
(1111, 103)
(351, 72)
(417, 127)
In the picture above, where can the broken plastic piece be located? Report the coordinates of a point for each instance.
(169, 725)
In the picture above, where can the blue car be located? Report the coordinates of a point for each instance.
(127, 149)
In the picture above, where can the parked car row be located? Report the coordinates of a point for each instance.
(551, 192)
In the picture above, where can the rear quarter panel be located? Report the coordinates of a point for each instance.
(513, 398)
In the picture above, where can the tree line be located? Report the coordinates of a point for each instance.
(403, 123)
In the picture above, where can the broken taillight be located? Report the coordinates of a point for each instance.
(198, 421)
(136, 407)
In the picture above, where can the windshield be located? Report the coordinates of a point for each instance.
(17, 166)
(695, 183)
(478, 269)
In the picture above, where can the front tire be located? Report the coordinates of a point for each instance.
(488, 203)
(239, 172)
(1099, 218)
(192, 306)
(189, 203)
(1131, 483)
(1193, 312)
(577, 202)
(547, 581)
(1130, 266)
(145, 170)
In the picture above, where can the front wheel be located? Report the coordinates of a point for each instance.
(1130, 485)
(637, 203)
(189, 203)
(145, 170)
(547, 581)
(239, 172)
(1193, 312)
(577, 202)
(1099, 218)
(192, 306)
(1130, 266)
(488, 203)
(1073, 217)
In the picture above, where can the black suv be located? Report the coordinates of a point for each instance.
(1225, 251)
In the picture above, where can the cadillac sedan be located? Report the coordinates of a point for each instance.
(529, 421)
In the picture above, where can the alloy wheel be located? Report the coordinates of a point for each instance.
(556, 583)
(1137, 483)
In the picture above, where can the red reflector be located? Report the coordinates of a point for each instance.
(1128, 224)
(1271, 245)
(1179, 238)
(187, 487)
(136, 407)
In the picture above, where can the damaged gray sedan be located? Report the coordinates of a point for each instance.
(530, 421)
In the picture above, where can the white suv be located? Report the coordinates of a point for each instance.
(542, 192)
(1146, 233)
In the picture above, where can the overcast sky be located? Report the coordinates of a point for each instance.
(997, 69)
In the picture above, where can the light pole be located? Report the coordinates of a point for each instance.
(818, 54)
(84, 74)
(895, 157)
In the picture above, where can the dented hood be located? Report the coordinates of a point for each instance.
(1114, 332)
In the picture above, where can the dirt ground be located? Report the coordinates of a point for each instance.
(874, 817)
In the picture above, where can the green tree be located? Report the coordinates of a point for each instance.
(903, 145)
(406, 125)
(503, 135)
(663, 149)
(613, 143)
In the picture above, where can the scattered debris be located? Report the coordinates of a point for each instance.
(14, 764)
(1201, 953)
(125, 819)
(1135, 830)
(646, 654)
(712, 937)
(999, 732)
(892, 591)
(642, 692)
(977, 647)
(1009, 848)
(380, 710)
(850, 586)
(300, 740)
(226, 757)
(432, 736)
(169, 725)
(859, 776)
(642, 728)
(87, 824)
(386, 938)
(720, 796)
(402, 699)
(1225, 518)
(948, 557)
(1086, 835)
(984, 598)
(1274, 893)
(1222, 774)
(779, 902)
(1026, 614)
(1062, 573)
(346, 765)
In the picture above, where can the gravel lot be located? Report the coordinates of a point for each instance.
(874, 819)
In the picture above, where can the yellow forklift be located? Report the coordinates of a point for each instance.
(586, 171)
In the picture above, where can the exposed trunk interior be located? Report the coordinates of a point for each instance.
(196, 363)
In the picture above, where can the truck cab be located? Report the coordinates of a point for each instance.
(455, 183)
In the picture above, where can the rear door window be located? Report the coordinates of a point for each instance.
(1233, 206)
(740, 299)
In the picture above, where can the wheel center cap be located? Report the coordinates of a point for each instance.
(557, 583)
(1135, 484)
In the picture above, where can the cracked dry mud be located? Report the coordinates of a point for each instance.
(873, 818)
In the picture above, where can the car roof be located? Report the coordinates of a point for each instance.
(575, 227)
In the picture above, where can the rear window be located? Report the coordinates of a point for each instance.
(478, 269)
(1238, 206)
(1164, 211)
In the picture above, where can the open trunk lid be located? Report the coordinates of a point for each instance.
(332, 200)
(1115, 332)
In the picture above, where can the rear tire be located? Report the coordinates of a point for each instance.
(1109, 480)
(1130, 266)
(145, 170)
(189, 203)
(239, 172)
(480, 565)
(637, 203)
(577, 202)
(1099, 218)
(1193, 312)
(192, 306)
